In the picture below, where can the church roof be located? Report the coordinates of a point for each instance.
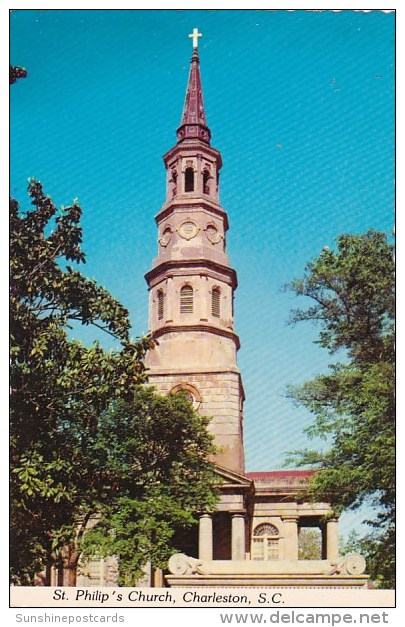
(193, 123)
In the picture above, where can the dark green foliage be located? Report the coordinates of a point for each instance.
(58, 386)
(353, 291)
(156, 449)
(309, 544)
(16, 73)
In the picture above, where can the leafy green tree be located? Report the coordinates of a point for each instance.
(352, 294)
(309, 544)
(157, 450)
(58, 386)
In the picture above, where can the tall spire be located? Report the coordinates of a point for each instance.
(193, 123)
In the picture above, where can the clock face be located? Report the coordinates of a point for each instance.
(166, 236)
(188, 230)
(213, 234)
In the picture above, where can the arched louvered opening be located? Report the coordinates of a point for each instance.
(216, 302)
(186, 299)
(160, 304)
(189, 180)
(265, 543)
(206, 178)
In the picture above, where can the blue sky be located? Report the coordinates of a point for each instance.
(301, 106)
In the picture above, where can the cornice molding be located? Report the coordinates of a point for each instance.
(194, 203)
(177, 267)
(201, 327)
(191, 146)
(152, 372)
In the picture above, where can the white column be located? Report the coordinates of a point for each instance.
(332, 540)
(205, 544)
(290, 537)
(53, 576)
(238, 537)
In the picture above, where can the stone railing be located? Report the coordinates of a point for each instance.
(351, 564)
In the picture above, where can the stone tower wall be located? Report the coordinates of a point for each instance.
(218, 396)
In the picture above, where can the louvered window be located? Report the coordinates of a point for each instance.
(265, 543)
(186, 299)
(160, 304)
(216, 302)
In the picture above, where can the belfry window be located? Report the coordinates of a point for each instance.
(206, 178)
(186, 299)
(160, 304)
(265, 542)
(189, 180)
(216, 302)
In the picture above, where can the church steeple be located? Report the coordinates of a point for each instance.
(193, 123)
(192, 285)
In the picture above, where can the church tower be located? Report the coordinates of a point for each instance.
(191, 284)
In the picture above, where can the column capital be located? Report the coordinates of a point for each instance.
(205, 516)
(290, 518)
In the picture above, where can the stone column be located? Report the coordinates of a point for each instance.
(332, 540)
(290, 537)
(323, 532)
(198, 186)
(53, 576)
(181, 176)
(204, 300)
(205, 537)
(238, 536)
(170, 296)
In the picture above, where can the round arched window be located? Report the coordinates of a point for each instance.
(265, 542)
(186, 299)
(189, 391)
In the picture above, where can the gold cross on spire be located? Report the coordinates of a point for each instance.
(195, 35)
